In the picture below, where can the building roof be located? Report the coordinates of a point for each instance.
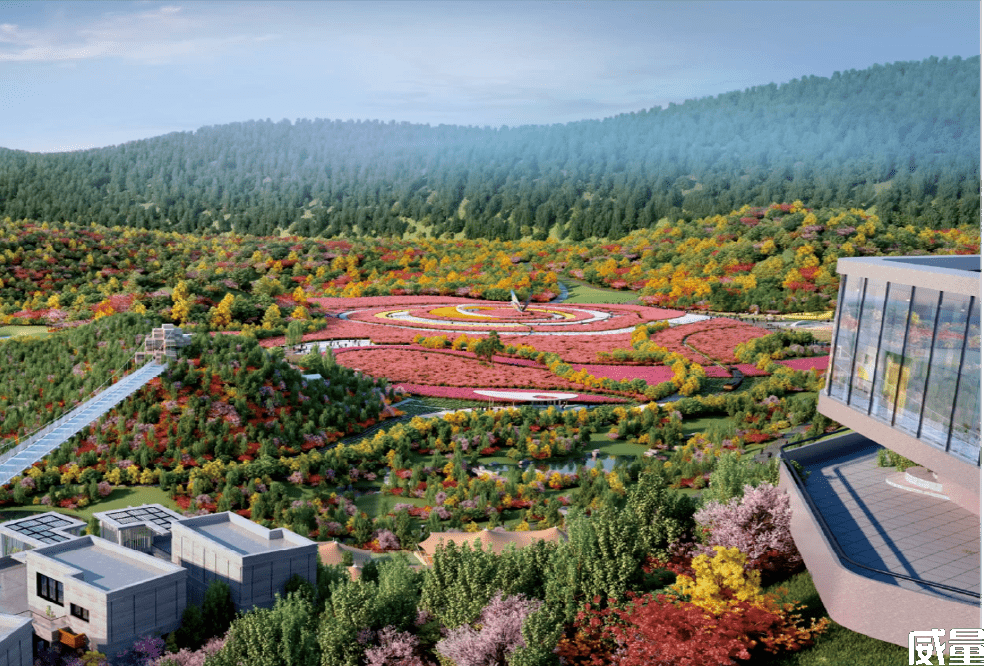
(101, 563)
(331, 553)
(494, 540)
(242, 537)
(43, 529)
(11, 623)
(958, 274)
(155, 516)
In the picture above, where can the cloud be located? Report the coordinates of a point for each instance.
(152, 36)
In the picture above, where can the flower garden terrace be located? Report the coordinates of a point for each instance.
(428, 346)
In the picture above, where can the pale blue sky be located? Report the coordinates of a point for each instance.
(78, 75)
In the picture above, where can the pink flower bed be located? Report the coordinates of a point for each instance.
(810, 363)
(339, 304)
(573, 348)
(428, 367)
(749, 370)
(720, 337)
(340, 329)
(653, 374)
(506, 360)
(643, 312)
(719, 343)
(470, 394)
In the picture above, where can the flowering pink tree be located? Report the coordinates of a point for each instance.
(499, 633)
(396, 648)
(186, 657)
(757, 524)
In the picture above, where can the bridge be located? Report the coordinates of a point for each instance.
(50, 437)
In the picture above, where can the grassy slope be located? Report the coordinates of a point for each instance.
(837, 646)
(582, 293)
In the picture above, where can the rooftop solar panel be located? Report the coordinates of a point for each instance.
(45, 529)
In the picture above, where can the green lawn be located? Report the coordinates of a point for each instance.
(582, 293)
(837, 645)
(16, 331)
(120, 498)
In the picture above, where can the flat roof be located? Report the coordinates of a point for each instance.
(241, 541)
(44, 529)
(957, 274)
(104, 564)
(243, 536)
(11, 623)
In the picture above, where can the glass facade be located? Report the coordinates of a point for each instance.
(137, 537)
(852, 292)
(911, 358)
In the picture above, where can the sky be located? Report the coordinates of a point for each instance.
(77, 75)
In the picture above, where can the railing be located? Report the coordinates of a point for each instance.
(829, 533)
(52, 425)
(72, 422)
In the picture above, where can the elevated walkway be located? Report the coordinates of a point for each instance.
(49, 438)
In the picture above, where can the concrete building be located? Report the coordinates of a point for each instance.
(162, 344)
(146, 528)
(892, 552)
(254, 561)
(24, 534)
(16, 640)
(90, 591)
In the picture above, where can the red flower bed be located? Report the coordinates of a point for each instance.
(653, 374)
(403, 365)
(469, 394)
(720, 344)
(715, 337)
(812, 363)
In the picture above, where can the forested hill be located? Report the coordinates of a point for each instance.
(903, 137)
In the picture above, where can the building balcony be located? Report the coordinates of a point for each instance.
(885, 559)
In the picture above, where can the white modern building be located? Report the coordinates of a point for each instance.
(91, 591)
(254, 561)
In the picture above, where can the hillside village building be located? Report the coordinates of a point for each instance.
(893, 552)
(146, 528)
(24, 534)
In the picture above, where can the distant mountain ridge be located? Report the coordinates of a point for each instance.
(903, 137)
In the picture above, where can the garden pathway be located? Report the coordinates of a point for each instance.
(49, 438)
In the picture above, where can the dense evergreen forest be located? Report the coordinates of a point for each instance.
(903, 137)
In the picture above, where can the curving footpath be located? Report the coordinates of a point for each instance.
(43, 442)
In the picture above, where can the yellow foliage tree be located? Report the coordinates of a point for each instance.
(221, 315)
(272, 317)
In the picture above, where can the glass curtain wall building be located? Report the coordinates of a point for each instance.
(897, 550)
(905, 367)
(910, 357)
